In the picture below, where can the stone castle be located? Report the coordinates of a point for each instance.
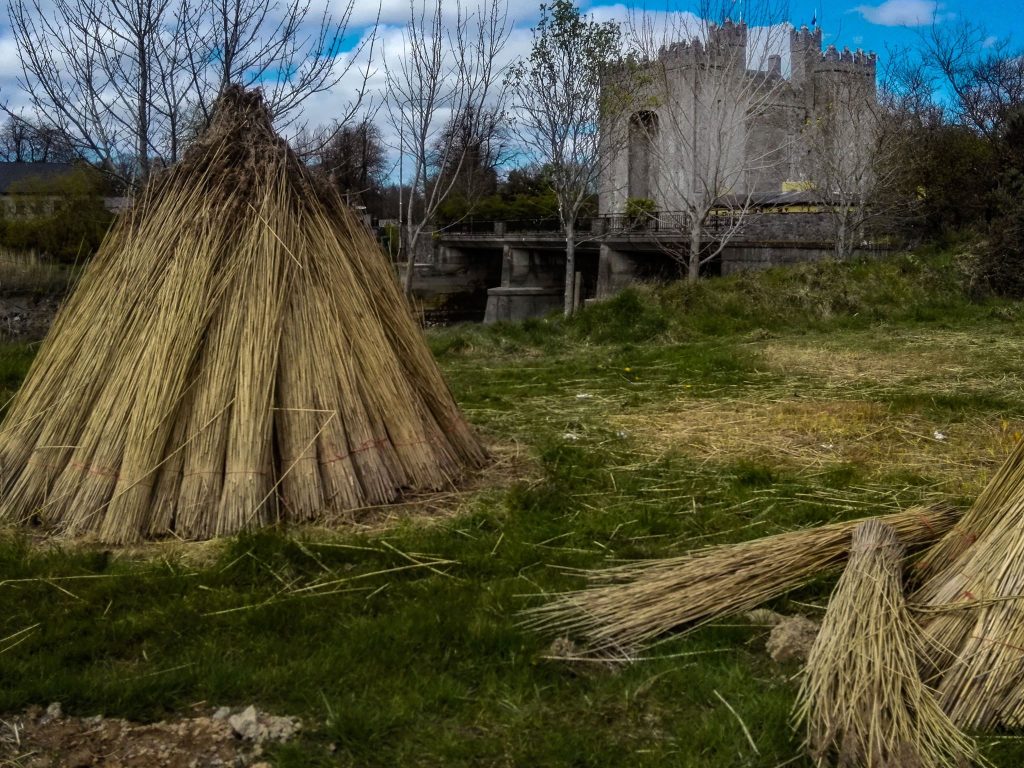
(712, 116)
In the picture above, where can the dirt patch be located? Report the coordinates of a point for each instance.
(26, 318)
(45, 738)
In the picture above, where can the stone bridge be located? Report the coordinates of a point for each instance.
(513, 270)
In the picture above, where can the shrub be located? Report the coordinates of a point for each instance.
(632, 316)
(62, 217)
(640, 209)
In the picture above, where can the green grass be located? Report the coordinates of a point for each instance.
(414, 655)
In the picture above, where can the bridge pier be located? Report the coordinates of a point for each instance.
(616, 270)
(532, 285)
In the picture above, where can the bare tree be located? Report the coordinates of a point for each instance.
(87, 69)
(563, 116)
(355, 160)
(129, 80)
(712, 138)
(984, 75)
(471, 148)
(15, 141)
(855, 144)
(451, 66)
(282, 46)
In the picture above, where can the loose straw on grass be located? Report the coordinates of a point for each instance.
(861, 698)
(633, 604)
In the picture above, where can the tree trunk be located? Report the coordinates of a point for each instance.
(410, 261)
(142, 108)
(570, 267)
(693, 266)
(841, 236)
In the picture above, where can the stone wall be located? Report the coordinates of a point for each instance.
(787, 226)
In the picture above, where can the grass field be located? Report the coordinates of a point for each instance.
(662, 420)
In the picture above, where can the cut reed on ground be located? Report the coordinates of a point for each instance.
(861, 698)
(237, 353)
(631, 605)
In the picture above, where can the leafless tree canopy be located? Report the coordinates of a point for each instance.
(129, 81)
(355, 160)
(23, 141)
(452, 67)
(985, 76)
(471, 148)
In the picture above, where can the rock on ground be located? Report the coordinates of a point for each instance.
(791, 639)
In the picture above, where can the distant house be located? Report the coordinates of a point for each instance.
(20, 175)
(12, 174)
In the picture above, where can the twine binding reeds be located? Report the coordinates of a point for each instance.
(861, 698)
(238, 352)
(631, 605)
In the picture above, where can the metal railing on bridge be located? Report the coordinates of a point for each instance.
(612, 224)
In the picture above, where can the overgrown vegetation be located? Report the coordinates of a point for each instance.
(665, 419)
(63, 218)
(27, 273)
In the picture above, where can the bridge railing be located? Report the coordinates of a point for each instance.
(657, 222)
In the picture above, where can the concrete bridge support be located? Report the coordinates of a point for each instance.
(616, 270)
(532, 284)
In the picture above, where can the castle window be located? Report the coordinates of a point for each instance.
(643, 133)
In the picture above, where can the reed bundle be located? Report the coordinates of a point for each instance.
(973, 583)
(632, 604)
(861, 697)
(237, 353)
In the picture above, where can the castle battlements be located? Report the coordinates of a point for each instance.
(804, 39)
(806, 55)
(687, 91)
(726, 39)
(853, 62)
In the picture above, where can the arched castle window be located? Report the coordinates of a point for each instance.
(643, 133)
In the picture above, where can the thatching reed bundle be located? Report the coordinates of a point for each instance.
(632, 604)
(861, 697)
(237, 353)
(973, 582)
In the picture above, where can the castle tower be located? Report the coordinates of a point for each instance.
(804, 54)
(728, 44)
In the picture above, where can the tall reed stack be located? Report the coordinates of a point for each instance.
(861, 698)
(237, 353)
(973, 592)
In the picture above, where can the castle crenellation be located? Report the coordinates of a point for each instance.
(805, 45)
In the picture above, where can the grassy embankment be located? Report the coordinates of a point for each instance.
(659, 421)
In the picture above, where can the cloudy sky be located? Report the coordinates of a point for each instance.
(874, 25)
(877, 26)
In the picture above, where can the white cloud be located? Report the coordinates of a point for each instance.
(903, 13)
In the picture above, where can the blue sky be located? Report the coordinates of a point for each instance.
(876, 25)
(869, 24)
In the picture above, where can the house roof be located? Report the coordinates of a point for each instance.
(11, 173)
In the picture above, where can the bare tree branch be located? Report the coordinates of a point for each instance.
(451, 67)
